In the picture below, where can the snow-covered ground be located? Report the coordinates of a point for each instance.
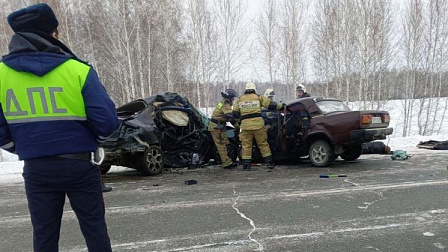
(11, 171)
(11, 168)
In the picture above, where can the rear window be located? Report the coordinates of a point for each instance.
(332, 106)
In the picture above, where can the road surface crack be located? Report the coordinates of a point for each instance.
(367, 204)
(235, 202)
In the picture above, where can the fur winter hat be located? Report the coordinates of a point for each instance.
(37, 17)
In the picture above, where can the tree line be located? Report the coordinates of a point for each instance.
(367, 51)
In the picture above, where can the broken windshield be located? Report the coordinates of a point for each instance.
(332, 106)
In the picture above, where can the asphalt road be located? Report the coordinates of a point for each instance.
(382, 205)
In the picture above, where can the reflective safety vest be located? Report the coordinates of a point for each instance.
(221, 113)
(26, 97)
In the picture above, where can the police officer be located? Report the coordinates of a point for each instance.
(223, 113)
(54, 113)
(301, 92)
(248, 109)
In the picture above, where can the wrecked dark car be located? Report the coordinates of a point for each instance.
(323, 129)
(158, 131)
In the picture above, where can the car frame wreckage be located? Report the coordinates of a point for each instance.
(167, 130)
(158, 131)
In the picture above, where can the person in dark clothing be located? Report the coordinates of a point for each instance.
(301, 92)
(54, 112)
(268, 115)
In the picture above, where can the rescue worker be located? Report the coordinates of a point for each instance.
(298, 123)
(223, 113)
(269, 93)
(301, 92)
(54, 113)
(248, 109)
(267, 114)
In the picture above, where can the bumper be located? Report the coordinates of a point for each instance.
(367, 135)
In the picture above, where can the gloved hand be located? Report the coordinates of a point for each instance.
(231, 120)
(97, 157)
(284, 106)
(236, 125)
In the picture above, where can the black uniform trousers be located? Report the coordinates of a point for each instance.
(47, 182)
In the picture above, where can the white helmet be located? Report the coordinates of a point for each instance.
(301, 88)
(269, 92)
(250, 86)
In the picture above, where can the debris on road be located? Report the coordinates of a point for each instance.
(190, 182)
(332, 175)
(400, 154)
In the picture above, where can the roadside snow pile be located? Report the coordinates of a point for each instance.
(11, 172)
(8, 157)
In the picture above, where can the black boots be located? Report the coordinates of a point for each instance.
(269, 163)
(246, 165)
(106, 188)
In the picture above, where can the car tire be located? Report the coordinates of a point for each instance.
(105, 169)
(151, 163)
(352, 153)
(320, 153)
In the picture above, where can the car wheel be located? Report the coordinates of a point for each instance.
(320, 153)
(352, 153)
(151, 163)
(104, 169)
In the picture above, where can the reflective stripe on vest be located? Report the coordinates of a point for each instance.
(250, 104)
(26, 97)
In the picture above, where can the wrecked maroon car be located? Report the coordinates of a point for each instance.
(158, 131)
(323, 129)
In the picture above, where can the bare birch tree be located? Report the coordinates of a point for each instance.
(294, 41)
(233, 34)
(169, 32)
(365, 49)
(435, 63)
(268, 37)
(334, 45)
(323, 35)
(349, 45)
(384, 51)
(115, 33)
(413, 42)
(202, 40)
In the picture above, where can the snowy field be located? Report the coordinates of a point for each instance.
(11, 168)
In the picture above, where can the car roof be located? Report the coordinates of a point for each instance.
(165, 97)
(309, 100)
